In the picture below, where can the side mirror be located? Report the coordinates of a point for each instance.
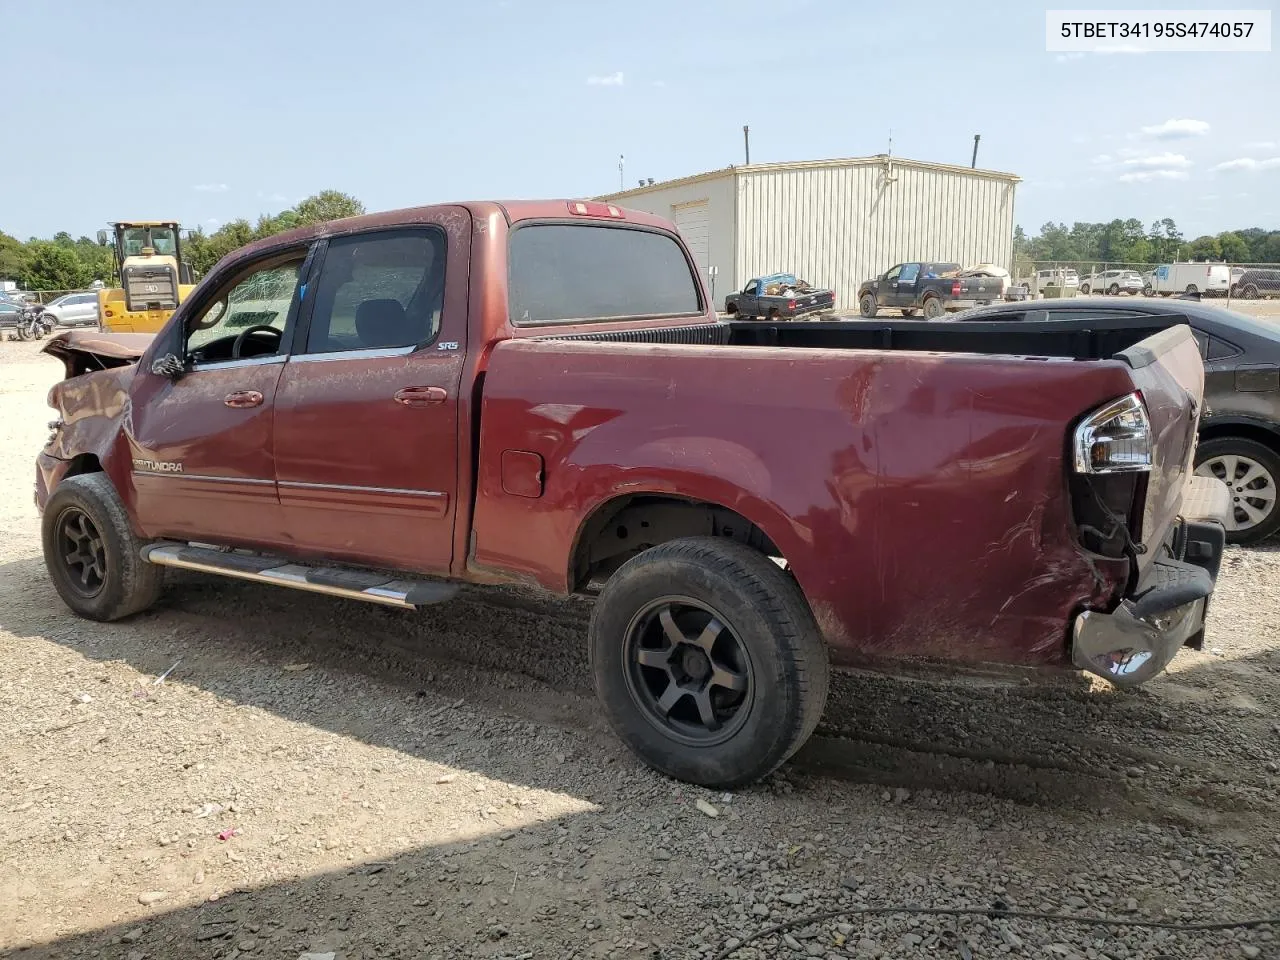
(168, 366)
(102, 238)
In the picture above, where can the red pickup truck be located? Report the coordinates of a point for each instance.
(539, 393)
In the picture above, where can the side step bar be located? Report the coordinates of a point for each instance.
(387, 589)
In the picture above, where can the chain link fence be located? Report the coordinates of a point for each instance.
(1230, 281)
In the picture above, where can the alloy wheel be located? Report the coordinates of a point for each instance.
(83, 552)
(1253, 488)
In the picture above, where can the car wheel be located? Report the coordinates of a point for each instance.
(1191, 288)
(933, 308)
(867, 305)
(1114, 290)
(1234, 291)
(91, 552)
(1148, 291)
(1252, 471)
(1250, 292)
(908, 311)
(1084, 289)
(707, 661)
(733, 313)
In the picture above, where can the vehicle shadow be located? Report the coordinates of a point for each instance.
(1055, 739)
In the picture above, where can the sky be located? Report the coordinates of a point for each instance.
(233, 109)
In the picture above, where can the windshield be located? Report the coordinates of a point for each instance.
(163, 240)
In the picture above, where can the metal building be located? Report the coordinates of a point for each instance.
(834, 223)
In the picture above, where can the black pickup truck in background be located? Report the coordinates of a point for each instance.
(777, 297)
(931, 288)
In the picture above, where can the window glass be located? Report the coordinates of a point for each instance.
(260, 299)
(379, 290)
(1202, 341)
(1220, 349)
(564, 272)
(893, 274)
(909, 273)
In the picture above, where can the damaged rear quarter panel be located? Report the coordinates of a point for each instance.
(921, 499)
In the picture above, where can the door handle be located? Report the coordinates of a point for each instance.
(243, 398)
(421, 396)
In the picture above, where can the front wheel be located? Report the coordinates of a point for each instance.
(1148, 291)
(1250, 292)
(91, 553)
(867, 305)
(707, 661)
(1084, 289)
(1252, 471)
(1114, 290)
(933, 308)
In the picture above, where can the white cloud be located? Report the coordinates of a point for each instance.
(606, 80)
(214, 222)
(1248, 163)
(1161, 161)
(211, 188)
(1101, 158)
(273, 197)
(1176, 129)
(1260, 145)
(1146, 176)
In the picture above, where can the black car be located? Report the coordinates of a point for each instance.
(1240, 423)
(1255, 283)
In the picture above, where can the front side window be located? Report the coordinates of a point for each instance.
(893, 274)
(570, 272)
(247, 318)
(379, 291)
(909, 273)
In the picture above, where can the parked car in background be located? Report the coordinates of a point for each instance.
(1113, 282)
(1255, 283)
(551, 401)
(1210, 279)
(927, 287)
(778, 297)
(1050, 277)
(73, 310)
(1240, 424)
(23, 319)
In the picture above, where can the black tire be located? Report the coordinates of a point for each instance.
(1250, 292)
(1114, 290)
(1191, 288)
(774, 315)
(933, 308)
(1084, 289)
(110, 580)
(1148, 291)
(732, 311)
(768, 643)
(867, 305)
(908, 311)
(1219, 447)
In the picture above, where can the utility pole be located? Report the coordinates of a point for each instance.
(746, 142)
(621, 163)
(974, 163)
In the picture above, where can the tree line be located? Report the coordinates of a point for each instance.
(1128, 241)
(67, 263)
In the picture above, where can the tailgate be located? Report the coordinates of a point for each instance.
(1168, 372)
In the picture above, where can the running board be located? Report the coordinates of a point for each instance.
(371, 587)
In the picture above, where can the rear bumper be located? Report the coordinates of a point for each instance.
(1166, 611)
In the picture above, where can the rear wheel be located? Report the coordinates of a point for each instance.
(1252, 471)
(1084, 289)
(867, 305)
(933, 308)
(91, 552)
(707, 661)
(1148, 291)
(1250, 292)
(1191, 288)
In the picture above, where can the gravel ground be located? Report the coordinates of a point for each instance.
(317, 775)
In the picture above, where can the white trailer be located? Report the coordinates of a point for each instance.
(1213, 279)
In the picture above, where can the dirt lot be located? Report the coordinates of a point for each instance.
(317, 775)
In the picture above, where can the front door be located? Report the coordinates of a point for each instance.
(201, 445)
(904, 294)
(366, 439)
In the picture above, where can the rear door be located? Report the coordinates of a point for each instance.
(366, 441)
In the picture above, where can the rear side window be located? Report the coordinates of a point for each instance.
(566, 272)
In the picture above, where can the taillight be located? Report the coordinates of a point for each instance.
(955, 288)
(791, 304)
(589, 208)
(1115, 439)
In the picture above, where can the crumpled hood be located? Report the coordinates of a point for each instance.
(84, 350)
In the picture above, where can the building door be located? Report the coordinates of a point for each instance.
(693, 220)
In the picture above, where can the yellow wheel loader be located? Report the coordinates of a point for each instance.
(152, 277)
